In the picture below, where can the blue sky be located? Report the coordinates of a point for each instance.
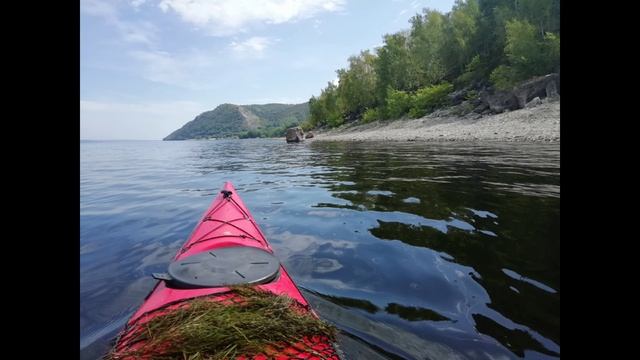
(149, 66)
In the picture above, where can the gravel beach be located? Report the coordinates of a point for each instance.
(537, 124)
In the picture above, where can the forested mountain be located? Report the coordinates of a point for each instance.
(243, 121)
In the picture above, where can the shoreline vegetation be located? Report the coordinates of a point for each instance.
(474, 63)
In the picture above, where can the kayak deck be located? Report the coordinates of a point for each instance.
(226, 233)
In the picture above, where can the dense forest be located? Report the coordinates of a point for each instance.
(478, 45)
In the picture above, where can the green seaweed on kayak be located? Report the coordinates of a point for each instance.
(254, 322)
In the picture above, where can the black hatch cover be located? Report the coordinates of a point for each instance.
(227, 266)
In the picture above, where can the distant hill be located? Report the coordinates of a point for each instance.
(243, 121)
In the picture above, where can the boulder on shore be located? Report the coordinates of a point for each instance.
(295, 134)
(541, 87)
(534, 102)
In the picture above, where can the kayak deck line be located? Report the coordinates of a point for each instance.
(243, 236)
(208, 217)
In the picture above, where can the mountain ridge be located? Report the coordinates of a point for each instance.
(243, 121)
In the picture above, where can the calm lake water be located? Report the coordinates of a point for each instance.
(414, 250)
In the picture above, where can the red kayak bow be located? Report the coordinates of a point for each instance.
(226, 248)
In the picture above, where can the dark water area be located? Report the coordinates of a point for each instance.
(414, 250)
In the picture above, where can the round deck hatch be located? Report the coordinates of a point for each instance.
(224, 267)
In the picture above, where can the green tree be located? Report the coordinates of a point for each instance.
(490, 37)
(324, 109)
(460, 31)
(372, 114)
(542, 14)
(429, 99)
(523, 48)
(427, 43)
(395, 67)
(529, 53)
(355, 85)
(398, 103)
(503, 77)
(473, 73)
(551, 49)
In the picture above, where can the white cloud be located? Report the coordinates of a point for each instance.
(159, 66)
(153, 120)
(226, 17)
(142, 32)
(316, 25)
(98, 8)
(180, 70)
(137, 3)
(253, 47)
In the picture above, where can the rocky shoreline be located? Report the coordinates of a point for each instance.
(540, 123)
(528, 112)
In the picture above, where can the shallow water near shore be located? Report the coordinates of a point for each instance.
(414, 250)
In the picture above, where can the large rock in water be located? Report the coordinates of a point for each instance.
(295, 134)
